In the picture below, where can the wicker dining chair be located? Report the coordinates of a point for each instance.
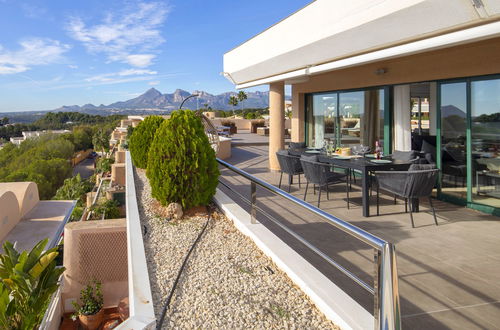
(321, 175)
(290, 165)
(417, 182)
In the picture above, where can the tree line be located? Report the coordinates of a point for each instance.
(46, 159)
(53, 121)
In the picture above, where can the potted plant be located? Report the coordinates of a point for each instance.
(90, 312)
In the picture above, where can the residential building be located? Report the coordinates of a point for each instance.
(355, 67)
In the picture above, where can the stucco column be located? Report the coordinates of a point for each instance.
(276, 122)
(297, 116)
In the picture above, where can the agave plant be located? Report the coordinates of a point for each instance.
(27, 281)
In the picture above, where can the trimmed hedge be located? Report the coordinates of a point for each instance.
(181, 165)
(141, 139)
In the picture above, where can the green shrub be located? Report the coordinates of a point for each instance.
(181, 163)
(74, 188)
(27, 281)
(91, 300)
(109, 209)
(141, 139)
(104, 165)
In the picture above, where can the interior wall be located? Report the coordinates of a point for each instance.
(298, 116)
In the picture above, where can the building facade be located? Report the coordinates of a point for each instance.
(413, 75)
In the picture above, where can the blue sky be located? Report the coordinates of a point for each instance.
(57, 52)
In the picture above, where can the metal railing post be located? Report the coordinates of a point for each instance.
(253, 200)
(387, 309)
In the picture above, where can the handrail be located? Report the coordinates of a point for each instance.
(357, 232)
(387, 313)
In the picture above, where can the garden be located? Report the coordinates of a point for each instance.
(197, 259)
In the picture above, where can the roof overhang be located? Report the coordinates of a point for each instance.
(307, 42)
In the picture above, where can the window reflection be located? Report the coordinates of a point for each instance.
(351, 118)
(453, 139)
(485, 141)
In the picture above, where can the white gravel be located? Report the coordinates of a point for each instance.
(228, 282)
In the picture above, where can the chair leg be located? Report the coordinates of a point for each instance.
(347, 191)
(433, 211)
(406, 205)
(281, 177)
(327, 192)
(289, 181)
(299, 181)
(305, 193)
(319, 195)
(378, 197)
(411, 217)
(314, 189)
(395, 199)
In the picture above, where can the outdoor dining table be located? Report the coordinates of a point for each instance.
(363, 165)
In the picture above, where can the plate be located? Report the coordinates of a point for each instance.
(312, 151)
(343, 157)
(381, 161)
(370, 156)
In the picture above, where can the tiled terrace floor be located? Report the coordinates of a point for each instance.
(449, 275)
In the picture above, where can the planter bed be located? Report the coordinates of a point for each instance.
(228, 282)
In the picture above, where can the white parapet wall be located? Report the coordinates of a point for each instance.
(142, 315)
(334, 303)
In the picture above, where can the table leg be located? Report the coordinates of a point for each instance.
(365, 193)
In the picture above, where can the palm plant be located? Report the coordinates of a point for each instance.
(233, 100)
(27, 281)
(242, 96)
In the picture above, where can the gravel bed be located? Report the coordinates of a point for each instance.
(228, 282)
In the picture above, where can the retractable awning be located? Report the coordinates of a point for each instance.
(328, 35)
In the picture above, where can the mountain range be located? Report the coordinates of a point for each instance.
(153, 99)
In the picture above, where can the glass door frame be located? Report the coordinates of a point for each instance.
(469, 202)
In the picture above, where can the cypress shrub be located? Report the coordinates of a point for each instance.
(181, 164)
(141, 139)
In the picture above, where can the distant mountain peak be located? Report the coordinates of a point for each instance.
(154, 99)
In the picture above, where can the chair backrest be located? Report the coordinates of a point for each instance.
(315, 172)
(421, 180)
(296, 145)
(289, 164)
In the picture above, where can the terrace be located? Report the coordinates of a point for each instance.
(447, 273)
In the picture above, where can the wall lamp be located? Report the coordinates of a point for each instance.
(380, 71)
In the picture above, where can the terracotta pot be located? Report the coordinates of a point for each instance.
(92, 322)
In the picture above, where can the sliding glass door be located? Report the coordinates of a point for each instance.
(453, 139)
(485, 141)
(470, 141)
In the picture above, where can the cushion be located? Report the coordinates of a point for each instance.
(428, 148)
(404, 156)
(296, 145)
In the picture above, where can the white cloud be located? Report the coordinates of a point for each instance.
(34, 51)
(131, 36)
(74, 67)
(140, 61)
(154, 83)
(118, 76)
